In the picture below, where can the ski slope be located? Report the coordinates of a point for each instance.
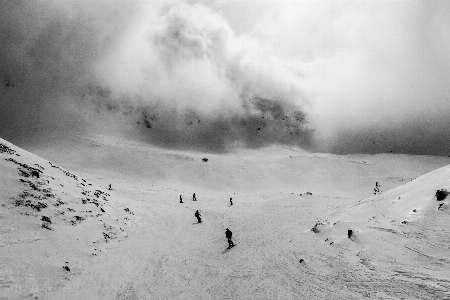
(157, 250)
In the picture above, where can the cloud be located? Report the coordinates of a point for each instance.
(196, 84)
(177, 70)
(47, 52)
(373, 70)
(190, 55)
(167, 66)
(327, 76)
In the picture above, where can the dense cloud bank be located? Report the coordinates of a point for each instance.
(182, 74)
(178, 70)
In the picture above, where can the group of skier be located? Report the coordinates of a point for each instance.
(228, 233)
(193, 198)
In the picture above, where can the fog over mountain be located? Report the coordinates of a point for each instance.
(136, 136)
(326, 76)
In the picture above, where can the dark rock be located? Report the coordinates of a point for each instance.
(441, 194)
(46, 219)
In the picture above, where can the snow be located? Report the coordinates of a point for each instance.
(146, 245)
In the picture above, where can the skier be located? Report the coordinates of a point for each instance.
(228, 234)
(194, 198)
(110, 186)
(377, 188)
(197, 215)
(181, 199)
(231, 201)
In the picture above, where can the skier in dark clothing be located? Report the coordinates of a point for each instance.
(377, 188)
(197, 215)
(194, 198)
(181, 199)
(231, 201)
(228, 234)
(110, 187)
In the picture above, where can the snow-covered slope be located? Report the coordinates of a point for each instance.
(400, 242)
(289, 246)
(269, 169)
(50, 219)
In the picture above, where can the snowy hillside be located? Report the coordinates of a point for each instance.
(290, 218)
(51, 221)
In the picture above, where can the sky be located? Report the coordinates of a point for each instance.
(330, 76)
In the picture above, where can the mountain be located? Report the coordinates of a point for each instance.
(65, 235)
